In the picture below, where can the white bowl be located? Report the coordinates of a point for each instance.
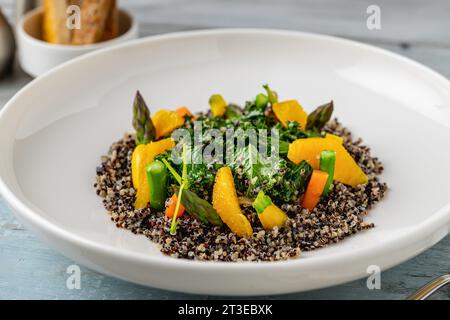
(37, 56)
(53, 132)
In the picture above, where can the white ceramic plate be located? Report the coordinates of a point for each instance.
(53, 132)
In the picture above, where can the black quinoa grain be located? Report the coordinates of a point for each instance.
(330, 222)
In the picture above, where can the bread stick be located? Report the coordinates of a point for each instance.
(94, 14)
(54, 22)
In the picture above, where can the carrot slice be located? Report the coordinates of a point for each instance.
(183, 111)
(170, 209)
(314, 190)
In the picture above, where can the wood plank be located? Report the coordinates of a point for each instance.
(31, 270)
(416, 29)
(415, 21)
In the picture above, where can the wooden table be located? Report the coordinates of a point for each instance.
(29, 269)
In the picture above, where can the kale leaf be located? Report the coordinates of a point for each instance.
(277, 176)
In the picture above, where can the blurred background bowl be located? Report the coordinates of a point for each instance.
(37, 56)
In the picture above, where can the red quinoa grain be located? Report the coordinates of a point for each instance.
(332, 221)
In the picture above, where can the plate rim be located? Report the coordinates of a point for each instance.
(438, 220)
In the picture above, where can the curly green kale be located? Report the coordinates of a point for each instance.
(277, 176)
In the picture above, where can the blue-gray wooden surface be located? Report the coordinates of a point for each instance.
(29, 269)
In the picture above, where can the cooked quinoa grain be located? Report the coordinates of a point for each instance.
(340, 216)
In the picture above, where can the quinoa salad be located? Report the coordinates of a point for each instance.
(202, 187)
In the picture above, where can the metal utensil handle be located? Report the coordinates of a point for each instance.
(430, 288)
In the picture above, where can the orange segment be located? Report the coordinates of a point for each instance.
(272, 217)
(290, 111)
(144, 154)
(226, 203)
(165, 121)
(218, 105)
(332, 136)
(136, 160)
(346, 170)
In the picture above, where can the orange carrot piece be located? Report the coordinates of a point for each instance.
(314, 190)
(170, 209)
(183, 111)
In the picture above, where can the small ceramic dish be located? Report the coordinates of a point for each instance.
(37, 56)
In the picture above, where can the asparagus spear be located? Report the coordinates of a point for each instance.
(319, 117)
(261, 202)
(261, 101)
(272, 95)
(327, 163)
(268, 213)
(142, 123)
(157, 182)
(199, 208)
